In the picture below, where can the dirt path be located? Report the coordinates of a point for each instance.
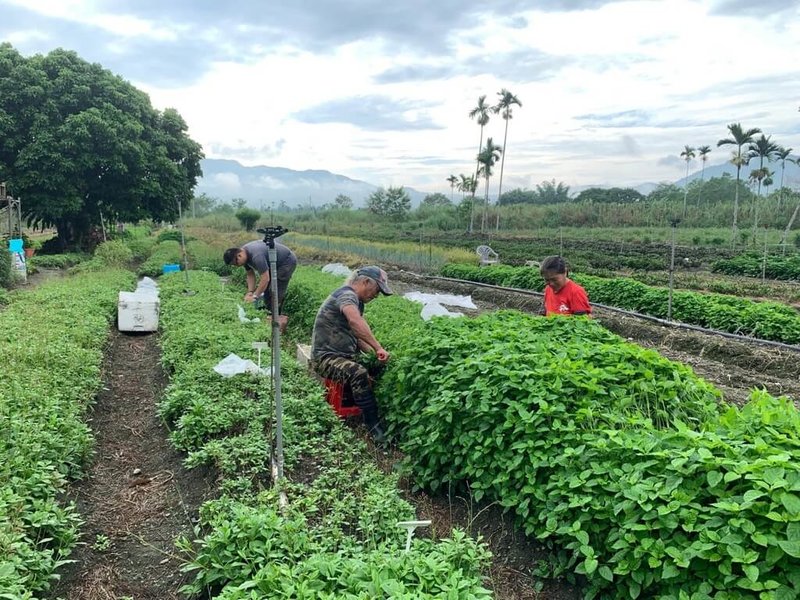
(137, 497)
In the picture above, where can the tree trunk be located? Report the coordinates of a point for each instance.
(789, 227)
(502, 164)
(477, 168)
(735, 207)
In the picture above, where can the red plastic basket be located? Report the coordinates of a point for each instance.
(340, 399)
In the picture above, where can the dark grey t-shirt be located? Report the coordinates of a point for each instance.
(258, 259)
(332, 334)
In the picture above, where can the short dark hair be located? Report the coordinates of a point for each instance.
(553, 264)
(230, 255)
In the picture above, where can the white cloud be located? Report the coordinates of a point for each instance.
(227, 181)
(609, 93)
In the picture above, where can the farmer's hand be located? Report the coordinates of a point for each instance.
(383, 355)
(249, 297)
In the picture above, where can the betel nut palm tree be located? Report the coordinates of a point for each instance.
(481, 113)
(503, 107)
(703, 152)
(782, 154)
(739, 137)
(687, 155)
(761, 148)
(452, 180)
(487, 158)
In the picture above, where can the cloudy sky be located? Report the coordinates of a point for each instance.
(380, 90)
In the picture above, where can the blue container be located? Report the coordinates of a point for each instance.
(171, 268)
(15, 245)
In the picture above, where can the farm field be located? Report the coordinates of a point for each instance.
(137, 496)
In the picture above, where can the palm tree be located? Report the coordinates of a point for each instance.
(452, 180)
(739, 137)
(487, 158)
(760, 148)
(468, 185)
(782, 154)
(703, 152)
(687, 155)
(793, 217)
(481, 111)
(503, 107)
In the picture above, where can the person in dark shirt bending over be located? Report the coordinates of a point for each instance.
(253, 256)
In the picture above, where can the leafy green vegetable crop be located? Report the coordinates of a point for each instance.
(51, 344)
(766, 320)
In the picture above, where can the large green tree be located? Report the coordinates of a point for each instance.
(613, 195)
(739, 137)
(503, 108)
(393, 202)
(82, 145)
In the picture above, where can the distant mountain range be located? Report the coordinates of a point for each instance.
(261, 186)
(791, 175)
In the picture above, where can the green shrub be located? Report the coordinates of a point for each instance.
(172, 235)
(141, 247)
(114, 253)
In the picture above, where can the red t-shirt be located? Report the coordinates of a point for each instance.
(568, 300)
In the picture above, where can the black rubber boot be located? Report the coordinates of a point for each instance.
(378, 434)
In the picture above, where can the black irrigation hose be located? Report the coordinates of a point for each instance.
(677, 324)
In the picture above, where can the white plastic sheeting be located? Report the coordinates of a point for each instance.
(337, 269)
(433, 304)
(243, 316)
(234, 365)
(448, 299)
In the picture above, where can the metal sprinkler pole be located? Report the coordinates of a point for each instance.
(183, 243)
(671, 271)
(276, 351)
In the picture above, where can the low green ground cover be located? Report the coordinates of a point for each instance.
(51, 347)
(338, 538)
(765, 320)
(56, 261)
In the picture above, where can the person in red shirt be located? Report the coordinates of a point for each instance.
(562, 296)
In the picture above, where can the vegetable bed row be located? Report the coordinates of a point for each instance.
(338, 537)
(764, 320)
(51, 347)
(624, 463)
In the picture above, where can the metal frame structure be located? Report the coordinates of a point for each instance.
(10, 214)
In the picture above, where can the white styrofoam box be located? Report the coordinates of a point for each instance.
(137, 312)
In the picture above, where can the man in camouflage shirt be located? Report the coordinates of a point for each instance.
(340, 332)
